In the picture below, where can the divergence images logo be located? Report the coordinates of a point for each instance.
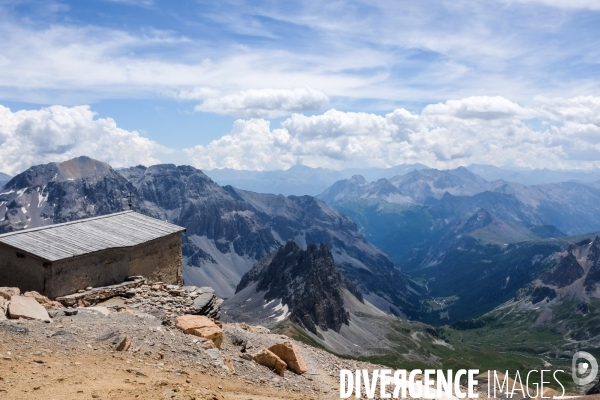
(579, 369)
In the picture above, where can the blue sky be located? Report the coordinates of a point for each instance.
(175, 76)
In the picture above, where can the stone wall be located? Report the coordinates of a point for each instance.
(158, 260)
(165, 253)
(102, 268)
(25, 272)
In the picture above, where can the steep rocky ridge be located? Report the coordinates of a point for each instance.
(300, 293)
(573, 274)
(562, 294)
(305, 284)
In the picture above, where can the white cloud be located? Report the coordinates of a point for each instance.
(263, 103)
(251, 145)
(59, 133)
(91, 62)
(397, 51)
(489, 130)
(478, 107)
(565, 133)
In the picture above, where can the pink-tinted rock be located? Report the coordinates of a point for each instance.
(27, 308)
(290, 354)
(200, 326)
(43, 300)
(269, 359)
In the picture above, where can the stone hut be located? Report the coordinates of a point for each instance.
(60, 259)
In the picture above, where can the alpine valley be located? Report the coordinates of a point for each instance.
(406, 266)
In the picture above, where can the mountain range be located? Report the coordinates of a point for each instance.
(440, 227)
(404, 212)
(303, 180)
(228, 229)
(444, 228)
(299, 179)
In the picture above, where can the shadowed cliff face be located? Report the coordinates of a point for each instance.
(571, 274)
(306, 282)
(565, 273)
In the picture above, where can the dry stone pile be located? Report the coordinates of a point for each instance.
(136, 294)
(92, 296)
(174, 300)
(156, 298)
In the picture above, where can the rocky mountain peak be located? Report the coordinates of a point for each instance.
(306, 282)
(82, 167)
(480, 219)
(465, 174)
(71, 170)
(358, 180)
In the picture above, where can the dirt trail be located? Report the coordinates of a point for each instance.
(102, 375)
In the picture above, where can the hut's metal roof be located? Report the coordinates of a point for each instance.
(76, 238)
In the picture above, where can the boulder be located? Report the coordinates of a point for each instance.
(290, 354)
(28, 308)
(43, 300)
(8, 292)
(269, 359)
(200, 326)
(207, 304)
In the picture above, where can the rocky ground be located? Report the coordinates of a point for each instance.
(73, 357)
(134, 347)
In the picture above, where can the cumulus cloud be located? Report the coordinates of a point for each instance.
(553, 133)
(59, 133)
(263, 103)
(478, 107)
